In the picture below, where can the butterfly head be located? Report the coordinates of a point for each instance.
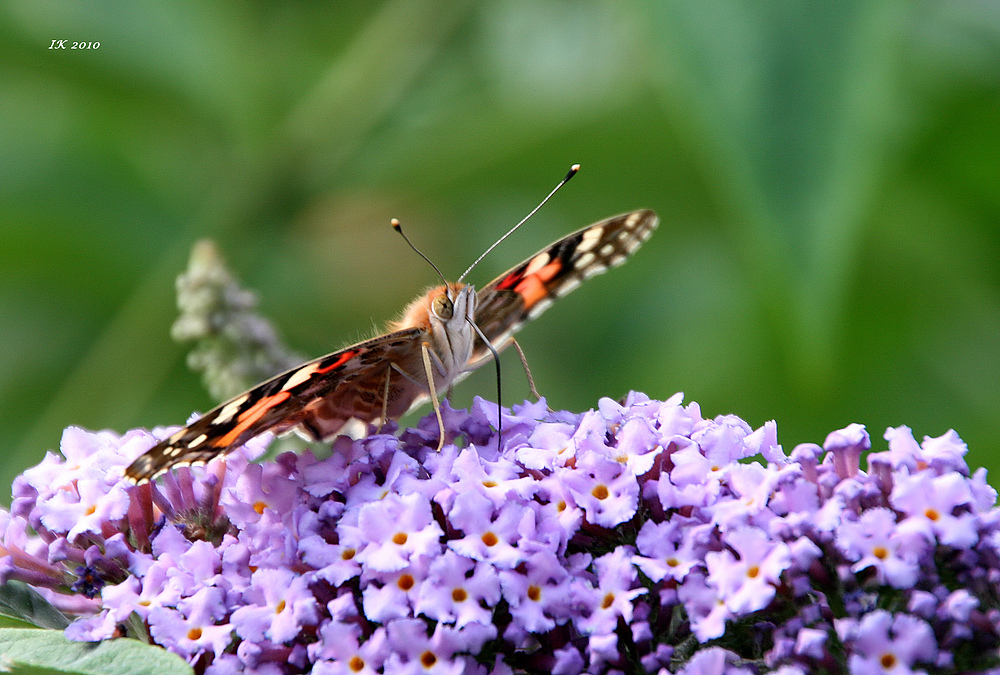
(454, 301)
(442, 307)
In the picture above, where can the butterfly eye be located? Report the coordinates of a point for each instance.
(443, 307)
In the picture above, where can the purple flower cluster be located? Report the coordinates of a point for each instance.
(631, 538)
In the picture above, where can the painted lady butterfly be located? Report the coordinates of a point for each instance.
(382, 378)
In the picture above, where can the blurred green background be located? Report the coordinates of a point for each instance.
(827, 175)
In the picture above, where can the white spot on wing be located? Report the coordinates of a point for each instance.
(198, 441)
(354, 428)
(230, 409)
(590, 239)
(568, 285)
(300, 376)
(607, 250)
(537, 263)
(539, 307)
(584, 261)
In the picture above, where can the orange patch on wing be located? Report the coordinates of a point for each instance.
(250, 416)
(532, 288)
(344, 358)
(549, 271)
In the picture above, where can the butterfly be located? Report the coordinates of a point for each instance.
(443, 335)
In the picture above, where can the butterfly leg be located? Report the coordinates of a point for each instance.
(524, 364)
(527, 371)
(385, 400)
(426, 352)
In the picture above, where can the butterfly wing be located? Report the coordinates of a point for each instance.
(527, 290)
(319, 397)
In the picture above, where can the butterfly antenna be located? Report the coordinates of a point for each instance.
(572, 172)
(399, 228)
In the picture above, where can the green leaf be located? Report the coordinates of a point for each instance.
(34, 651)
(11, 622)
(135, 627)
(23, 603)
